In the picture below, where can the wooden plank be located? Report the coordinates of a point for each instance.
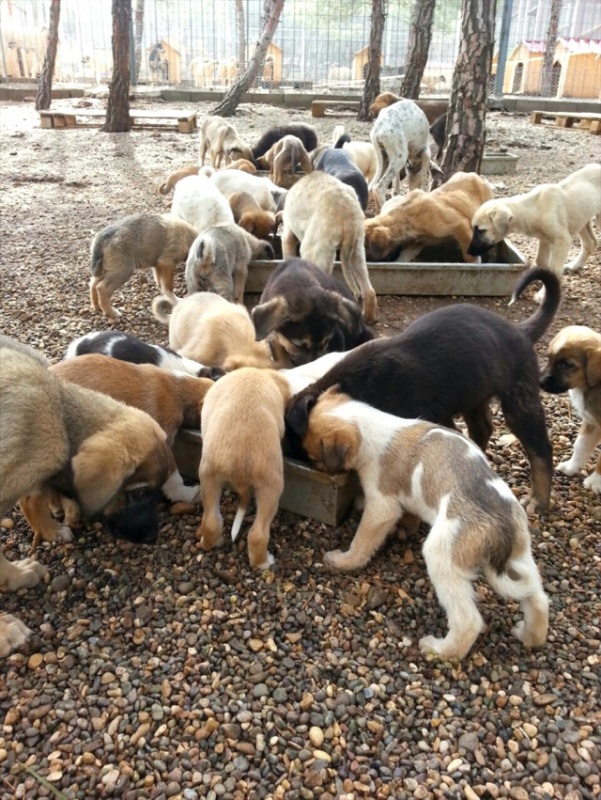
(536, 117)
(318, 107)
(60, 118)
(595, 126)
(566, 119)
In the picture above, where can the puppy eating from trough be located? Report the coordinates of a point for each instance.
(477, 525)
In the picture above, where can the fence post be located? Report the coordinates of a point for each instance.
(503, 45)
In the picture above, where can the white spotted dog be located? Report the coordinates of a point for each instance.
(401, 138)
(436, 475)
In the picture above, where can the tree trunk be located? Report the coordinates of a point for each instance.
(547, 88)
(420, 36)
(241, 36)
(138, 33)
(371, 87)
(44, 95)
(466, 118)
(227, 107)
(117, 111)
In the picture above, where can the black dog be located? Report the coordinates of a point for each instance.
(307, 313)
(337, 162)
(306, 133)
(454, 361)
(437, 132)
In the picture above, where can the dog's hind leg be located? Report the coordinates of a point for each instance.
(267, 498)
(104, 290)
(354, 269)
(289, 243)
(210, 530)
(94, 301)
(378, 520)
(164, 275)
(479, 425)
(588, 244)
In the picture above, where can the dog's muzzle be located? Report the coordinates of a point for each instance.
(550, 383)
(138, 522)
(478, 246)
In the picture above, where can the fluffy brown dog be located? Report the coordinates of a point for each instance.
(242, 430)
(422, 218)
(221, 140)
(574, 366)
(250, 216)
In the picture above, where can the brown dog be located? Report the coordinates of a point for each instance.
(250, 216)
(423, 218)
(431, 108)
(222, 141)
(242, 430)
(574, 366)
(284, 158)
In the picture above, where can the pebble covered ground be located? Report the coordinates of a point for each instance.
(166, 672)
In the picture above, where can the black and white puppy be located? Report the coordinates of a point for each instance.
(454, 361)
(338, 163)
(127, 347)
(307, 313)
(306, 133)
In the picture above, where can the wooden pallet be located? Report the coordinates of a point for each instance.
(67, 118)
(318, 107)
(565, 119)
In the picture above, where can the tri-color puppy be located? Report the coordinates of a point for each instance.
(436, 475)
(574, 366)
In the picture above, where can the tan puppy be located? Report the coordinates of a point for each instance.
(242, 430)
(431, 108)
(167, 187)
(438, 476)
(250, 216)
(324, 215)
(243, 165)
(574, 366)
(284, 158)
(206, 324)
(423, 218)
(361, 153)
(221, 140)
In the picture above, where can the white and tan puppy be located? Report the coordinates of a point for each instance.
(361, 153)
(242, 430)
(229, 181)
(574, 366)
(198, 201)
(207, 325)
(552, 213)
(440, 477)
(324, 216)
(222, 141)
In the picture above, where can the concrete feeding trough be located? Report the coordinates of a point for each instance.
(501, 163)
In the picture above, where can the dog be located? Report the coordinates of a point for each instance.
(306, 133)
(110, 458)
(454, 361)
(437, 132)
(401, 138)
(242, 430)
(249, 215)
(285, 158)
(431, 108)
(141, 241)
(219, 258)
(339, 164)
(222, 141)
(306, 313)
(229, 181)
(361, 153)
(574, 366)
(552, 213)
(207, 328)
(477, 526)
(241, 164)
(324, 215)
(244, 165)
(418, 219)
(198, 201)
(127, 347)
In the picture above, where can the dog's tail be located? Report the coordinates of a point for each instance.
(535, 326)
(342, 140)
(97, 250)
(162, 308)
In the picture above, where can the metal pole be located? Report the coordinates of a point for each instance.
(503, 46)
(132, 51)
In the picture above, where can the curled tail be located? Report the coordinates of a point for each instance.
(535, 326)
(342, 140)
(162, 308)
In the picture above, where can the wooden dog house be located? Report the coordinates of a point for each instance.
(272, 66)
(360, 60)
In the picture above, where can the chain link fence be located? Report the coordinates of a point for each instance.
(320, 46)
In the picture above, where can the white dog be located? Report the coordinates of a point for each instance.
(200, 203)
(399, 135)
(230, 181)
(552, 213)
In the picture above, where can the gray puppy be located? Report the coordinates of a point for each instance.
(219, 258)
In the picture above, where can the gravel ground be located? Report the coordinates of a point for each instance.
(167, 672)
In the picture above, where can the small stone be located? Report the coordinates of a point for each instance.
(454, 765)
(172, 789)
(231, 730)
(182, 508)
(530, 730)
(322, 756)
(544, 699)
(470, 794)
(7, 523)
(60, 583)
(12, 716)
(56, 775)
(35, 660)
(316, 736)
(469, 741)
(260, 690)
(518, 793)
(157, 712)
(108, 677)
(110, 779)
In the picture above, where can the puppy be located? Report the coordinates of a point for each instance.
(361, 153)
(476, 524)
(207, 328)
(306, 133)
(141, 241)
(175, 177)
(418, 219)
(244, 165)
(306, 313)
(431, 108)
(242, 431)
(338, 163)
(285, 158)
(552, 213)
(219, 258)
(110, 458)
(249, 215)
(574, 366)
(454, 361)
(324, 215)
(437, 132)
(200, 203)
(265, 192)
(127, 347)
(221, 140)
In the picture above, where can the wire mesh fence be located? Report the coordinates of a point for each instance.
(320, 46)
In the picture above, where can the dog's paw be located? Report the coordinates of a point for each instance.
(189, 494)
(13, 634)
(23, 574)
(573, 266)
(593, 482)
(431, 644)
(568, 467)
(340, 561)
(269, 562)
(61, 534)
(528, 638)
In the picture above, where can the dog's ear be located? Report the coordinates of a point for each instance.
(593, 366)
(299, 408)
(333, 453)
(247, 222)
(347, 312)
(269, 316)
(501, 217)
(377, 240)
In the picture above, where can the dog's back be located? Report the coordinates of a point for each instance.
(339, 164)
(306, 133)
(583, 193)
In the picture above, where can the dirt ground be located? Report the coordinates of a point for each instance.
(167, 672)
